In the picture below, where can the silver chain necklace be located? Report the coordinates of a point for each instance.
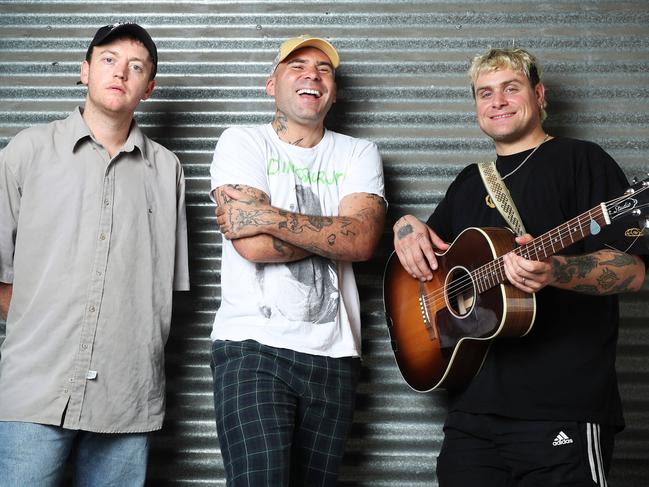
(525, 160)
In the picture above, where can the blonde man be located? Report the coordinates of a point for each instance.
(543, 410)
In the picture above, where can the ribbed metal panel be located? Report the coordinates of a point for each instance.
(402, 84)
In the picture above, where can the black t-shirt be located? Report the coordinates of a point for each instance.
(564, 369)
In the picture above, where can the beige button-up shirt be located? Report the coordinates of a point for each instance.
(93, 247)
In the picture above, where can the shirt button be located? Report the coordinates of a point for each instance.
(106, 202)
(91, 309)
(99, 273)
(65, 390)
(84, 346)
(102, 236)
(71, 379)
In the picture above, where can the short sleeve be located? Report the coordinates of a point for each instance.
(9, 211)
(441, 220)
(238, 159)
(365, 171)
(181, 267)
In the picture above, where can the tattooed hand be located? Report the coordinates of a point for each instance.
(242, 214)
(415, 244)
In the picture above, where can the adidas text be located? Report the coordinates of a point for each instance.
(562, 439)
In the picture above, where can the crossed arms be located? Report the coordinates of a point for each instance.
(263, 233)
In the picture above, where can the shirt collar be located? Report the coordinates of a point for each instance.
(80, 132)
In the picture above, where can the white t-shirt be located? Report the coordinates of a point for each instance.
(311, 305)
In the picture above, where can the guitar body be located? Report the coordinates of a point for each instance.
(441, 330)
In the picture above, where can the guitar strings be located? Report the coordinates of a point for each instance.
(481, 273)
(487, 271)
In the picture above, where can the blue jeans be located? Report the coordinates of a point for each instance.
(35, 454)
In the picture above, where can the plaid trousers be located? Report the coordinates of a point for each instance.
(282, 417)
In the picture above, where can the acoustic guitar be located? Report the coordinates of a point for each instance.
(441, 329)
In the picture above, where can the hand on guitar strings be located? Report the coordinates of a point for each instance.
(527, 275)
(415, 244)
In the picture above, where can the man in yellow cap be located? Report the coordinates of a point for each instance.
(297, 204)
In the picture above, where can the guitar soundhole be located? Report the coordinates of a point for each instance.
(460, 292)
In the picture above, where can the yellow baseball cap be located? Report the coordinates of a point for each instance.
(305, 40)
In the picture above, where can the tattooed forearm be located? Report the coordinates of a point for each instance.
(602, 272)
(607, 279)
(578, 267)
(351, 236)
(586, 289)
(281, 248)
(619, 259)
(315, 223)
(319, 222)
(624, 286)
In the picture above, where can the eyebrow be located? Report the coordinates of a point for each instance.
(117, 54)
(504, 83)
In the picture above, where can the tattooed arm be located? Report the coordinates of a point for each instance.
(602, 272)
(260, 247)
(351, 236)
(606, 271)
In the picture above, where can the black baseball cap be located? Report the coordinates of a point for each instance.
(108, 32)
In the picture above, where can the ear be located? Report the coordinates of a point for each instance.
(539, 92)
(270, 86)
(85, 68)
(149, 90)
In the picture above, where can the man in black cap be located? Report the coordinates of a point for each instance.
(92, 243)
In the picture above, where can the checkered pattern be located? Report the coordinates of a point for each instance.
(282, 417)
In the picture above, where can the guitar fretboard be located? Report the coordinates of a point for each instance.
(588, 223)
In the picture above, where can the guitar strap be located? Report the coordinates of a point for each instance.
(500, 196)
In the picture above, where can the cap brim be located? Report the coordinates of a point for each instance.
(321, 44)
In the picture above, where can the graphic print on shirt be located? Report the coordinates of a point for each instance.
(309, 290)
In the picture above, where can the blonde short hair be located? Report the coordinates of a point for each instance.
(516, 59)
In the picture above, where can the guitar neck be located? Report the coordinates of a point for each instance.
(543, 246)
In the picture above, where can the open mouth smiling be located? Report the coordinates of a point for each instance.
(308, 92)
(502, 116)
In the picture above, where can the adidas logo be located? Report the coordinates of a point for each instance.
(561, 439)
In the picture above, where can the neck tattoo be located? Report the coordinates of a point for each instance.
(525, 160)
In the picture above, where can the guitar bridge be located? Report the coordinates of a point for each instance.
(423, 308)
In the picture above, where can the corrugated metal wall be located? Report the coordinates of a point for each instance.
(403, 85)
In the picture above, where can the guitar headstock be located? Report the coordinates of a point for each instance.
(634, 202)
